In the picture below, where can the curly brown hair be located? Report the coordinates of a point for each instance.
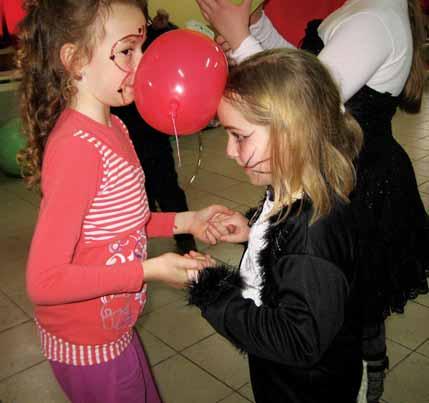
(47, 86)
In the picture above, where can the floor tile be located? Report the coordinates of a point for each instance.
(24, 213)
(185, 174)
(18, 188)
(234, 398)
(424, 349)
(20, 298)
(217, 356)
(409, 329)
(12, 284)
(227, 253)
(177, 324)
(245, 193)
(160, 295)
(215, 139)
(424, 187)
(425, 200)
(247, 392)
(156, 350)
(408, 382)
(15, 243)
(34, 385)
(19, 349)
(421, 167)
(225, 166)
(158, 246)
(198, 200)
(10, 314)
(423, 300)
(422, 144)
(213, 182)
(421, 179)
(242, 208)
(415, 153)
(180, 381)
(396, 352)
(188, 156)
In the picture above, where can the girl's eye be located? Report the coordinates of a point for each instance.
(126, 52)
(239, 138)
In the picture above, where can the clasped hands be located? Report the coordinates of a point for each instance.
(210, 225)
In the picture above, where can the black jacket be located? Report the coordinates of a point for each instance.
(303, 342)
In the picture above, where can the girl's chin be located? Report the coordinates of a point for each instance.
(127, 96)
(258, 178)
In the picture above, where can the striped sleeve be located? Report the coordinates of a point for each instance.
(71, 176)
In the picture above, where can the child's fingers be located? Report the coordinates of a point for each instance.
(195, 254)
(220, 40)
(224, 44)
(216, 230)
(220, 228)
(206, 6)
(210, 237)
(219, 217)
(192, 275)
(208, 260)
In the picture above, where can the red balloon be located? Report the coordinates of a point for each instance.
(181, 77)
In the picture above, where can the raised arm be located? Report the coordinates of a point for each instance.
(353, 53)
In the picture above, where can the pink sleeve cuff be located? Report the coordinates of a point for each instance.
(161, 225)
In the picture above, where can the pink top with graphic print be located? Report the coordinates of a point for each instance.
(84, 272)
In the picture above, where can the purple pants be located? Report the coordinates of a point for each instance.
(125, 379)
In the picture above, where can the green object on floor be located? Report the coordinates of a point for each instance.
(11, 141)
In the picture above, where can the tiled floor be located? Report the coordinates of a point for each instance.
(190, 361)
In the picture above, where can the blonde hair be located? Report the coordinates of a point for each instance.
(47, 86)
(313, 141)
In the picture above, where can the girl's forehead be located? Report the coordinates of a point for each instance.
(122, 21)
(230, 110)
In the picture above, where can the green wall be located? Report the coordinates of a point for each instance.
(182, 10)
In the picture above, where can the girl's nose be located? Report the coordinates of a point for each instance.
(138, 57)
(231, 148)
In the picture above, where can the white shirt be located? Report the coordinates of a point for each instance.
(250, 269)
(366, 42)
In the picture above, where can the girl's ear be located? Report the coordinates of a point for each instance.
(67, 56)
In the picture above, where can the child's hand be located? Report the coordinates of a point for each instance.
(229, 20)
(223, 43)
(197, 223)
(236, 225)
(172, 269)
(206, 260)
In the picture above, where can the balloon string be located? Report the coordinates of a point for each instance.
(199, 159)
(173, 118)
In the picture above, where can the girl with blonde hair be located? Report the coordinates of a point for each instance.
(292, 306)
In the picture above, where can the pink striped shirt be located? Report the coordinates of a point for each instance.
(84, 272)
